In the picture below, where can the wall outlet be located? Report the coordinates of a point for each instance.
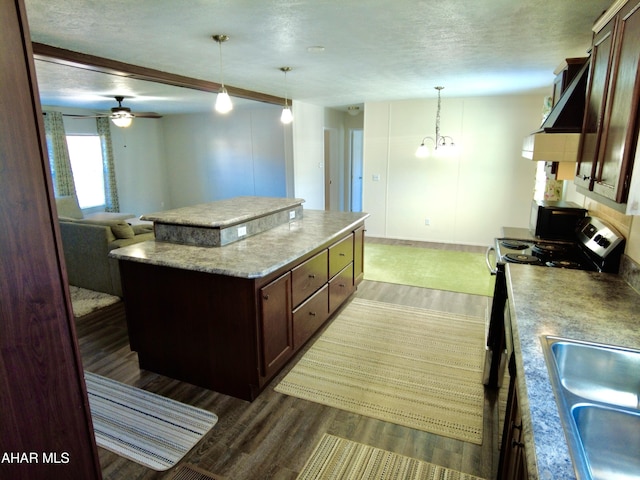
(375, 177)
(292, 214)
(242, 231)
(427, 222)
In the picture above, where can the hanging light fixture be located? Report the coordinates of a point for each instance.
(440, 141)
(287, 116)
(223, 101)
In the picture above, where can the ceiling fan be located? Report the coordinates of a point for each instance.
(122, 116)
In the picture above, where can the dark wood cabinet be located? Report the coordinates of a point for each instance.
(276, 327)
(610, 129)
(513, 459)
(592, 128)
(233, 334)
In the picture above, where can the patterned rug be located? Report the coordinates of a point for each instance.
(339, 459)
(87, 301)
(144, 427)
(409, 366)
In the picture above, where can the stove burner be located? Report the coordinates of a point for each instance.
(521, 258)
(564, 264)
(514, 244)
(550, 248)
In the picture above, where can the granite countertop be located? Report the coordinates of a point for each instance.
(590, 306)
(252, 257)
(223, 213)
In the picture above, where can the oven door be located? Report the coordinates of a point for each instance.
(496, 347)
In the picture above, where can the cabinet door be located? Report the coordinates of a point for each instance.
(618, 143)
(276, 333)
(592, 128)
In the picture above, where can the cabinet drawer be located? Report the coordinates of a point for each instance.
(340, 287)
(309, 277)
(308, 317)
(340, 255)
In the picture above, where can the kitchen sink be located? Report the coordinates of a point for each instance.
(597, 390)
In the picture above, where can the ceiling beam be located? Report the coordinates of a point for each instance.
(85, 61)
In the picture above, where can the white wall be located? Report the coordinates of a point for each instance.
(308, 154)
(467, 198)
(212, 157)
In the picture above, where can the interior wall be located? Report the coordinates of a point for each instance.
(308, 154)
(466, 198)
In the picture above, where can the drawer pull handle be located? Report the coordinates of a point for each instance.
(313, 314)
(342, 254)
(265, 296)
(341, 285)
(312, 275)
(515, 444)
(517, 427)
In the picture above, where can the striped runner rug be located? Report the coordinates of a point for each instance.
(409, 366)
(149, 429)
(338, 459)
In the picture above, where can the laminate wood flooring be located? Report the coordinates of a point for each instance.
(272, 437)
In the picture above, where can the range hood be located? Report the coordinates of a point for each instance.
(559, 135)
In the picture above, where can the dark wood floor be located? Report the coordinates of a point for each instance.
(272, 437)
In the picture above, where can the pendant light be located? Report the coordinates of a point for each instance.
(223, 101)
(440, 141)
(287, 116)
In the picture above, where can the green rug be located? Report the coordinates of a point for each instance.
(463, 272)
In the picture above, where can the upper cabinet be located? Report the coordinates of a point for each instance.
(609, 135)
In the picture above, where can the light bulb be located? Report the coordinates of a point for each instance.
(422, 151)
(287, 116)
(223, 102)
(122, 120)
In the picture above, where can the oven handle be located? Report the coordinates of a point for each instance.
(492, 270)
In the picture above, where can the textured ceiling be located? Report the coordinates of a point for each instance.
(374, 50)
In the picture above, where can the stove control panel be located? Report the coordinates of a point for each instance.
(598, 237)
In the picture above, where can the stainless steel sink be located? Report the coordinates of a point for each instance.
(597, 390)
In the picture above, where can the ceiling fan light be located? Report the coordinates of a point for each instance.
(122, 120)
(223, 102)
(287, 115)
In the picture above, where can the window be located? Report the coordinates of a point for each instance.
(85, 153)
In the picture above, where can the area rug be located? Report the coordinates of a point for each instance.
(87, 301)
(338, 459)
(149, 429)
(463, 272)
(409, 366)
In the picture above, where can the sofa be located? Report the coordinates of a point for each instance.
(87, 241)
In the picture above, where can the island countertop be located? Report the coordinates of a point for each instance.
(252, 257)
(580, 305)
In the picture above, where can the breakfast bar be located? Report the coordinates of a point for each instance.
(228, 317)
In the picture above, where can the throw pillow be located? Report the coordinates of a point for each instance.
(122, 229)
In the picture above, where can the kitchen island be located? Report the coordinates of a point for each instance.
(229, 317)
(575, 304)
